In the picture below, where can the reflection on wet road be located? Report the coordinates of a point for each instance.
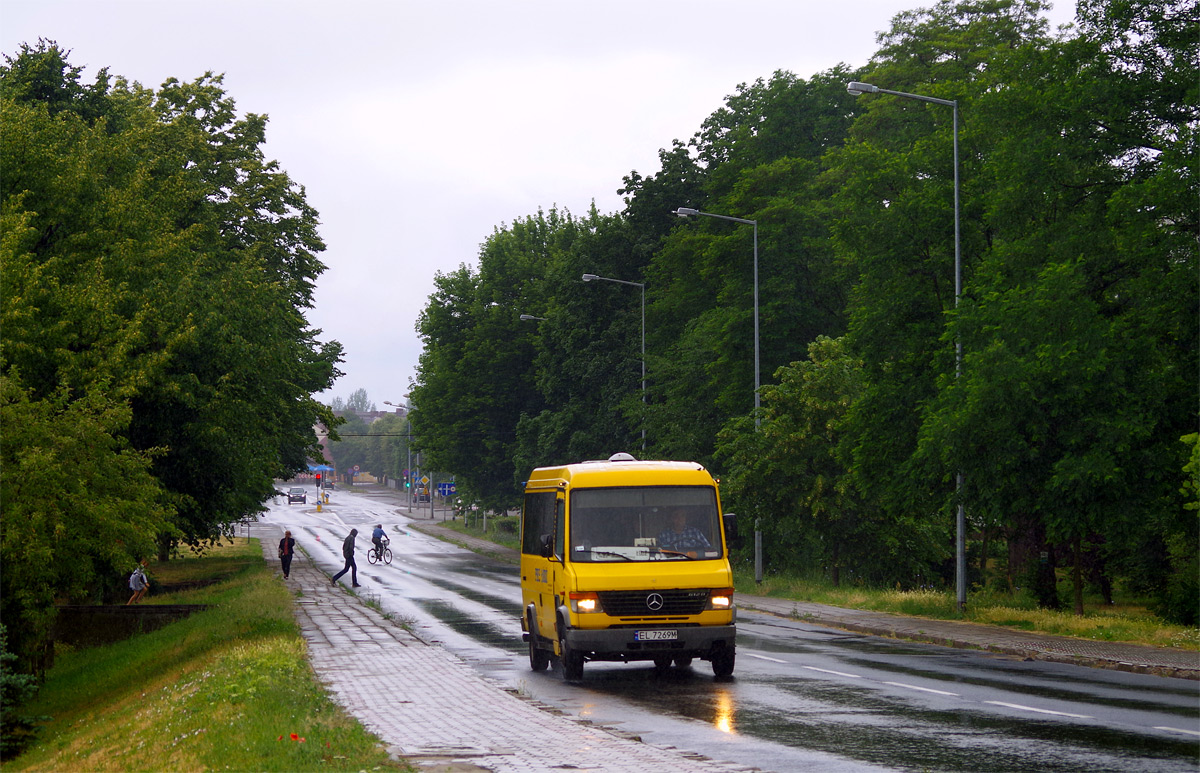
(809, 698)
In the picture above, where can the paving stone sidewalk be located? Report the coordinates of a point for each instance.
(433, 709)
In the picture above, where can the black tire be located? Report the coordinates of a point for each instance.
(722, 662)
(571, 661)
(538, 657)
(662, 662)
(371, 557)
(682, 662)
(387, 555)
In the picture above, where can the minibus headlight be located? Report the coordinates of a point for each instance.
(721, 599)
(585, 602)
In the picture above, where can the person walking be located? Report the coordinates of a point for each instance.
(138, 583)
(348, 554)
(287, 546)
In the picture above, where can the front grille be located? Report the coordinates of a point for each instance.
(641, 603)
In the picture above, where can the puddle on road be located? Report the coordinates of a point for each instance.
(498, 603)
(478, 630)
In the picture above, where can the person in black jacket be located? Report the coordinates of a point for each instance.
(287, 546)
(348, 554)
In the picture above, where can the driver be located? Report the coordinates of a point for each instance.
(679, 536)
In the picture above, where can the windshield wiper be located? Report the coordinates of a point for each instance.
(677, 553)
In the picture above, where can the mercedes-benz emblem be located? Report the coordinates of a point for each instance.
(654, 602)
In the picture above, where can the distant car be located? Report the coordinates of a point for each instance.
(330, 487)
(297, 495)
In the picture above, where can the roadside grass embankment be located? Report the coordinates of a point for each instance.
(1128, 620)
(228, 688)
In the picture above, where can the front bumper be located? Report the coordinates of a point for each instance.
(621, 644)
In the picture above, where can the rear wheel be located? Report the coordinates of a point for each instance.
(572, 661)
(371, 556)
(662, 662)
(682, 662)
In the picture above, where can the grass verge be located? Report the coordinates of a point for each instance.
(502, 530)
(228, 688)
(1130, 621)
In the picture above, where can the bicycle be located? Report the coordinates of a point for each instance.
(384, 554)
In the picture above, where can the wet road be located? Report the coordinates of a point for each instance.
(803, 697)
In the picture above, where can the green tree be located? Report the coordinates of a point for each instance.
(894, 230)
(762, 159)
(475, 378)
(589, 360)
(155, 270)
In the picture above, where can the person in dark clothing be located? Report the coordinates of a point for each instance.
(287, 546)
(377, 538)
(348, 554)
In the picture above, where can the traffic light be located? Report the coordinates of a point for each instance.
(318, 480)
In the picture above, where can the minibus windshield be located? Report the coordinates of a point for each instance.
(644, 523)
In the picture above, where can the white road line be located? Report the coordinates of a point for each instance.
(764, 657)
(1039, 711)
(835, 673)
(922, 689)
(1178, 730)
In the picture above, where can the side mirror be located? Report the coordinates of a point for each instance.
(547, 545)
(732, 538)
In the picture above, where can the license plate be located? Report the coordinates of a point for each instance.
(656, 635)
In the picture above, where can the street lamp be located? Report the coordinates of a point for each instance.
(960, 545)
(689, 212)
(593, 277)
(530, 317)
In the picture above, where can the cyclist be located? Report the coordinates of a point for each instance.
(377, 537)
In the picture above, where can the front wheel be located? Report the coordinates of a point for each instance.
(572, 661)
(722, 663)
(538, 657)
(387, 555)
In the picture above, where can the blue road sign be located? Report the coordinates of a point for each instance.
(447, 489)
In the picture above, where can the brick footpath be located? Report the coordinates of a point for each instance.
(434, 710)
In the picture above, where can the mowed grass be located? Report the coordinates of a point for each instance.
(1125, 621)
(228, 688)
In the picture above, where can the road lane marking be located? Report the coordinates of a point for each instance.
(835, 673)
(1178, 730)
(1039, 711)
(922, 689)
(764, 657)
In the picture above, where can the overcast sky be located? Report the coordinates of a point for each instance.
(418, 127)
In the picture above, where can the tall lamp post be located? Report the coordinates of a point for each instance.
(689, 212)
(642, 287)
(960, 545)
